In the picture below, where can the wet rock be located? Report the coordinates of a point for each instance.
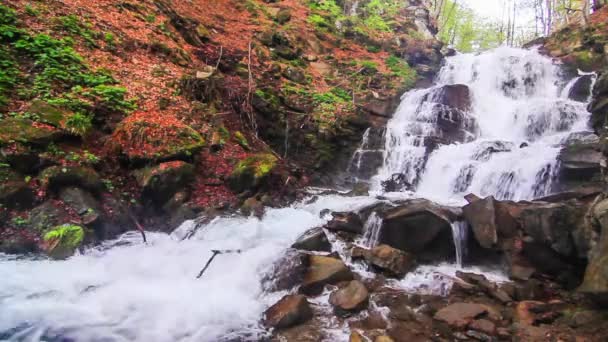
(313, 240)
(546, 260)
(580, 161)
(420, 227)
(355, 337)
(386, 258)
(397, 182)
(289, 311)
(459, 315)
(321, 271)
(366, 163)
(490, 220)
(82, 203)
(161, 182)
(581, 90)
(345, 222)
(350, 298)
(252, 206)
(14, 192)
(456, 96)
(287, 272)
(57, 177)
(62, 241)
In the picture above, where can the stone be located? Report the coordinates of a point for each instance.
(459, 315)
(50, 114)
(251, 172)
(252, 206)
(159, 183)
(294, 74)
(345, 222)
(580, 161)
(57, 177)
(349, 299)
(483, 325)
(482, 218)
(388, 259)
(27, 132)
(291, 310)
(283, 16)
(313, 240)
(322, 271)
(82, 203)
(420, 227)
(456, 96)
(14, 191)
(383, 338)
(581, 89)
(62, 241)
(22, 158)
(595, 282)
(46, 216)
(355, 337)
(287, 272)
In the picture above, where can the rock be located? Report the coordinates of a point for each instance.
(479, 336)
(142, 139)
(420, 227)
(14, 192)
(22, 158)
(82, 203)
(283, 16)
(251, 172)
(287, 272)
(295, 75)
(159, 183)
(345, 222)
(483, 325)
(384, 338)
(56, 177)
(386, 258)
(485, 285)
(490, 220)
(27, 132)
(62, 241)
(581, 89)
(291, 310)
(456, 96)
(349, 299)
(252, 206)
(313, 240)
(459, 315)
(355, 337)
(366, 163)
(321, 271)
(595, 282)
(46, 216)
(49, 114)
(580, 161)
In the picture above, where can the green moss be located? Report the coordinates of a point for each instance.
(25, 131)
(401, 68)
(241, 140)
(62, 241)
(250, 172)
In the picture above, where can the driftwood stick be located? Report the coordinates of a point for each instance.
(139, 227)
(215, 253)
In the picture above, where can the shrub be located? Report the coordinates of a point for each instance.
(79, 124)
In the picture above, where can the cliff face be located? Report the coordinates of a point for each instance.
(164, 108)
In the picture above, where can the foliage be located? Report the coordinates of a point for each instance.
(401, 68)
(73, 25)
(79, 124)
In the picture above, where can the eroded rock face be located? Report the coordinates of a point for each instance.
(351, 298)
(289, 311)
(345, 222)
(321, 271)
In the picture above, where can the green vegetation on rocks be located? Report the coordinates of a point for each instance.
(62, 241)
(250, 172)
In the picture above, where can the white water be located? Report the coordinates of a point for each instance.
(490, 160)
(128, 291)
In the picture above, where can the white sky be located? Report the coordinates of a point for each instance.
(486, 8)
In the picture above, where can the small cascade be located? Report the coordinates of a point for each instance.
(459, 234)
(372, 231)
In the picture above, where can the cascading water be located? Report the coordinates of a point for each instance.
(504, 143)
(128, 291)
(371, 233)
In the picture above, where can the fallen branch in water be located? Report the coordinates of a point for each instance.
(215, 253)
(139, 227)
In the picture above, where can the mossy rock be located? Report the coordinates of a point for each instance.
(27, 131)
(14, 192)
(56, 177)
(62, 241)
(152, 140)
(283, 16)
(49, 114)
(241, 140)
(46, 216)
(251, 172)
(161, 182)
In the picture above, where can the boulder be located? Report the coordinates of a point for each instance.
(283, 16)
(595, 281)
(313, 240)
(483, 325)
(321, 271)
(14, 192)
(50, 114)
(581, 161)
(62, 241)
(251, 172)
(420, 227)
(287, 272)
(294, 74)
(144, 138)
(27, 132)
(23, 158)
(161, 182)
(456, 96)
(581, 89)
(386, 258)
(82, 203)
(490, 220)
(459, 315)
(47, 215)
(351, 298)
(56, 177)
(291, 310)
(345, 222)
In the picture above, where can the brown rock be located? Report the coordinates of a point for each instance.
(355, 337)
(483, 325)
(383, 338)
(289, 311)
(346, 222)
(351, 298)
(387, 258)
(324, 270)
(459, 315)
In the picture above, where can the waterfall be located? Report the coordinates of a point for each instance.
(371, 234)
(503, 141)
(459, 234)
